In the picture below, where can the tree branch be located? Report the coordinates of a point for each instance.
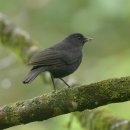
(65, 101)
(16, 39)
(90, 120)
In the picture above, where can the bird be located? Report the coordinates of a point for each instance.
(60, 60)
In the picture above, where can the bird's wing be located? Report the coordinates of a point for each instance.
(50, 57)
(46, 57)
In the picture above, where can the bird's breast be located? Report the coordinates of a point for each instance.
(65, 70)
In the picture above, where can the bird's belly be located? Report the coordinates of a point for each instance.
(62, 71)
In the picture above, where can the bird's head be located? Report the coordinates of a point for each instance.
(78, 38)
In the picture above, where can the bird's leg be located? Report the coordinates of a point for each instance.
(64, 82)
(53, 82)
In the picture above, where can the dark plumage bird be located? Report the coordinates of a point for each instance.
(60, 60)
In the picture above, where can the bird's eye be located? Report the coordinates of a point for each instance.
(79, 37)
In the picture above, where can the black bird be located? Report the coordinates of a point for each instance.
(60, 60)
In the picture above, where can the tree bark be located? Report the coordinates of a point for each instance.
(17, 40)
(65, 101)
(100, 119)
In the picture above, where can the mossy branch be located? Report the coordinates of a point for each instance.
(65, 101)
(16, 39)
(100, 119)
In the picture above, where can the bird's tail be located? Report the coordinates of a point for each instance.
(32, 75)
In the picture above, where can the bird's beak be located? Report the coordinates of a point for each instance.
(88, 39)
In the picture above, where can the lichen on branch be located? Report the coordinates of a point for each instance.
(100, 119)
(16, 39)
(65, 101)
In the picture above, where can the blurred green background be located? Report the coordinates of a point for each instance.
(48, 21)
